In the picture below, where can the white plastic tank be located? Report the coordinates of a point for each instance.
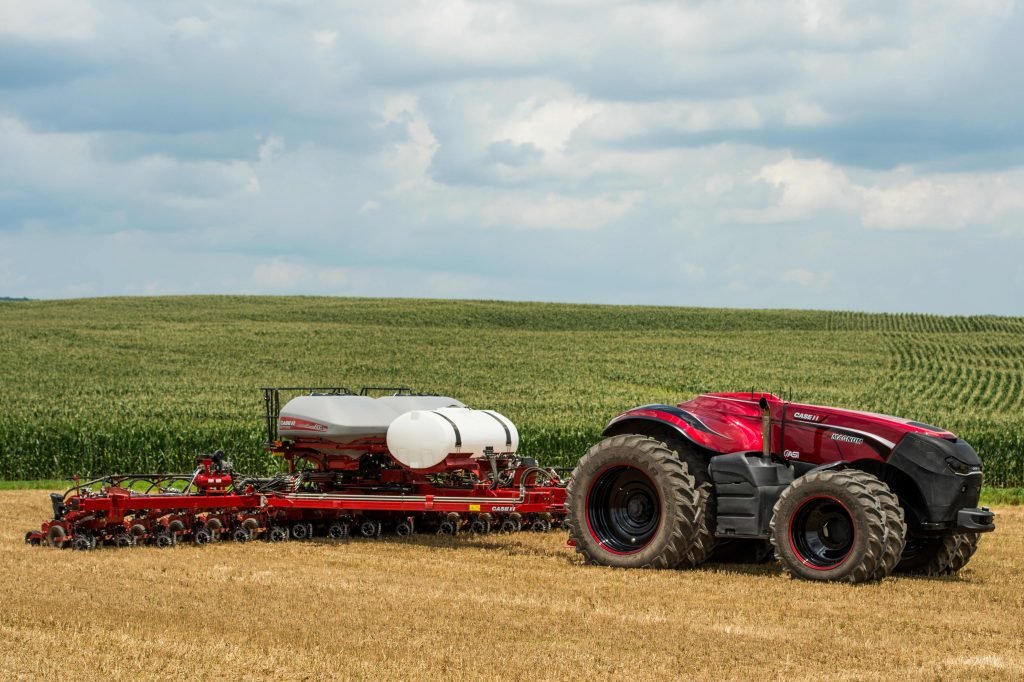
(422, 439)
(346, 418)
(406, 403)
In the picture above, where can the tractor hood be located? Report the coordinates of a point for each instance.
(731, 422)
(907, 425)
(887, 428)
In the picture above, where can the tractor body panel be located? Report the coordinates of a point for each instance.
(731, 422)
(936, 475)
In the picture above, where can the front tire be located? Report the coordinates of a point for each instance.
(829, 525)
(938, 556)
(632, 503)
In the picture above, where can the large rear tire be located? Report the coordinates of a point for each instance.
(829, 525)
(704, 541)
(632, 503)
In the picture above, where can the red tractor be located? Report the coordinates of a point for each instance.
(839, 494)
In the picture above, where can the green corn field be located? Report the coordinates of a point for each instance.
(145, 384)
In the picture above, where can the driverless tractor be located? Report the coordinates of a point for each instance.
(835, 494)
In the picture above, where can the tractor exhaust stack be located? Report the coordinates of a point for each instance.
(766, 430)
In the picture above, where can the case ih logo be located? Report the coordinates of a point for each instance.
(293, 424)
(807, 417)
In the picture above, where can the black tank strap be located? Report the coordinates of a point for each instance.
(508, 434)
(458, 435)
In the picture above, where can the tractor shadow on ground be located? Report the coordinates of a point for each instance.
(768, 568)
(771, 567)
(523, 543)
(540, 545)
(550, 545)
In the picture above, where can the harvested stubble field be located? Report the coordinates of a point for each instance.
(509, 607)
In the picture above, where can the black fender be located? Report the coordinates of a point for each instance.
(648, 426)
(943, 476)
(662, 421)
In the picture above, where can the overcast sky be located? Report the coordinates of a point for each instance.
(814, 154)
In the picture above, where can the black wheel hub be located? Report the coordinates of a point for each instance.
(623, 509)
(822, 532)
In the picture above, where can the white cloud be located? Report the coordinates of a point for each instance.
(607, 149)
(78, 290)
(946, 202)
(10, 278)
(408, 160)
(901, 199)
(46, 20)
(691, 271)
(801, 113)
(323, 40)
(807, 278)
(546, 124)
(612, 121)
(270, 148)
(551, 210)
(189, 28)
(807, 185)
(68, 164)
(300, 277)
(280, 274)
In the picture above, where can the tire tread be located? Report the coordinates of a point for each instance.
(656, 458)
(885, 524)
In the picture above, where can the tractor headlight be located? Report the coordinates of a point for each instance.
(958, 467)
